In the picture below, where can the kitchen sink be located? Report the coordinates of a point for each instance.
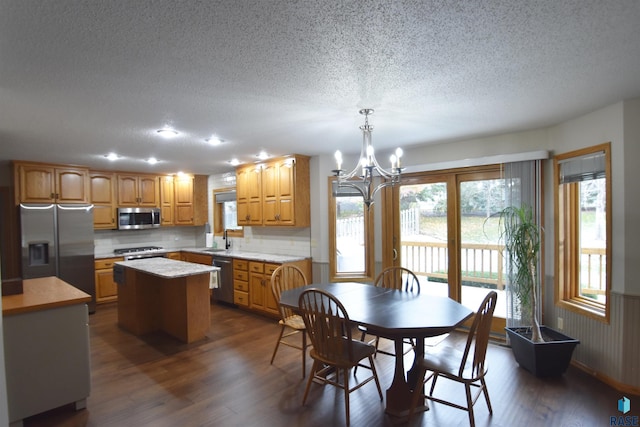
(216, 250)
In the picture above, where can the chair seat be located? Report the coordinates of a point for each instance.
(446, 361)
(340, 357)
(294, 322)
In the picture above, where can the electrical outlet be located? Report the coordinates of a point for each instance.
(560, 323)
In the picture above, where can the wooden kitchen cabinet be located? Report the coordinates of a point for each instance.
(47, 183)
(260, 296)
(135, 190)
(166, 200)
(252, 284)
(174, 255)
(241, 282)
(249, 195)
(106, 288)
(103, 198)
(191, 201)
(275, 193)
(183, 200)
(197, 258)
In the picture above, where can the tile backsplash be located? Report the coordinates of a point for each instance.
(166, 237)
(272, 240)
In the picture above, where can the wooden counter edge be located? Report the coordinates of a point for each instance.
(41, 294)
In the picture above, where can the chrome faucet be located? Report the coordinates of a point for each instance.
(225, 237)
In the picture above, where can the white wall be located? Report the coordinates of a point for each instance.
(631, 156)
(462, 153)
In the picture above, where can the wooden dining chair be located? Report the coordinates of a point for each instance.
(466, 367)
(283, 278)
(399, 278)
(334, 351)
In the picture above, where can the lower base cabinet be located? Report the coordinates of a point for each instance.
(241, 282)
(106, 288)
(260, 293)
(252, 284)
(197, 258)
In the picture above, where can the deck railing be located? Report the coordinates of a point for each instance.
(480, 263)
(484, 264)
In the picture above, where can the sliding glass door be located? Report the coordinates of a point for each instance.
(423, 221)
(444, 228)
(481, 197)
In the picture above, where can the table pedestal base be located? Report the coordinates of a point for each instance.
(400, 393)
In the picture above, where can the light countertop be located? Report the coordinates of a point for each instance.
(251, 256)
(41, 294)
(248, 255)
(167, 268)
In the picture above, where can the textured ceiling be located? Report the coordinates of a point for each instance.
(79, 79)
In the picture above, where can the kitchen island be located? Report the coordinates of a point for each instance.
(46, 343)
(161, 294)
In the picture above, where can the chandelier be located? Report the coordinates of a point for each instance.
(362, 176)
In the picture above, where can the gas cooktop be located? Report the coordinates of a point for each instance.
(123, 251)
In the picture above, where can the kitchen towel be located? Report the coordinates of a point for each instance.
(213, 279)
(208, 237)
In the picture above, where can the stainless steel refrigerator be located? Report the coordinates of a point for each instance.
(57, 240)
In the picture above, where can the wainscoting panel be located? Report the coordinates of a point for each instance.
(609, 351)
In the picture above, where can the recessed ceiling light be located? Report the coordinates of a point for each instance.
(262, 155)
(167, 133)
(234, 162)
(152, 160)
(214, 140)
(112, 156)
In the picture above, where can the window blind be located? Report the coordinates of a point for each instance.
(584, 168)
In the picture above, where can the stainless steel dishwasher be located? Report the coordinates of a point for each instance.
(224, 291)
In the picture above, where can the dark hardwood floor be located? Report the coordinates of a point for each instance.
(227, 380)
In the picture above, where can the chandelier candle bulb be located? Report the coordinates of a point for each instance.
(369, 155)
(399, 154)
(338, 157)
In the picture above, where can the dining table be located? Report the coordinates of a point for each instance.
(395, 315)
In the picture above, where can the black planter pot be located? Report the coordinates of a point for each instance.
(546, 359)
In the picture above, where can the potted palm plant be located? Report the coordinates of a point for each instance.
(539, 349)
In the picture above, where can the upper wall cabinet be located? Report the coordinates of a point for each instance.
(166, 200)
(274, 193)
(103, 197)
(184, 200)
(249, 195)
(138, 190)
(46, 183)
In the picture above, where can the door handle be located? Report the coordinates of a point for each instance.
(395, 254)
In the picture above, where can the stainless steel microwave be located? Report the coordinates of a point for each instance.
(137, 218)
